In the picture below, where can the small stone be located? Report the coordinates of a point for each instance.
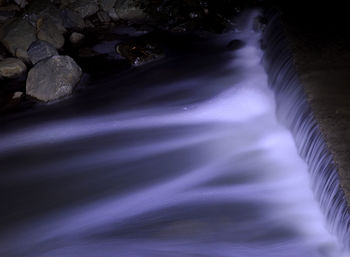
(53, 78)
(17, 36)
(12, 68)
(40, 50)
(48, 31)
(17, 95)
(76, 38)
(14, 100)
(10, 101)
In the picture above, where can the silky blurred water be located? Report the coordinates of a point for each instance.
(195, 166)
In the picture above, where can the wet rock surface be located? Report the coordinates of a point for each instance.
(53, 78)
(140, 52)
(85, 8)
(17, 36)
(50, 32)
(11, 68)
(76, 38)
(40, 50)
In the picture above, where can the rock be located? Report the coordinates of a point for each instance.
(44, 9)
(139, 53)
(12, 68)
(17, 36)
(48, 31)
(103, 17)
(72, 20)
(85, 8)
(53, 78)
(40, 50)
(16, 99)
(130, 10)
(76, 38)
(10, 101)
(17, 95)
(107, 5)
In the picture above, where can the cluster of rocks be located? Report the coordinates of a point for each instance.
(33, 35)
(37, 36)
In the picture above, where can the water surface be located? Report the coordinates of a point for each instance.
(183, 157)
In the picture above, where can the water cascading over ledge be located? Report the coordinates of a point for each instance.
(295, 112)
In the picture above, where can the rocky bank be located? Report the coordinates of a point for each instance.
(46, 47)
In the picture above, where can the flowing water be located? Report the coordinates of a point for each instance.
(192, 163)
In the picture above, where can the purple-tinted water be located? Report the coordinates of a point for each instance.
(195, 164)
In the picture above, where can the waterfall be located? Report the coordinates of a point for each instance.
(193, 163)
(294, 111)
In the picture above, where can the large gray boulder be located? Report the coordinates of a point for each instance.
(53, 78)
(12, 68)
(40, 50)
(16, 36)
